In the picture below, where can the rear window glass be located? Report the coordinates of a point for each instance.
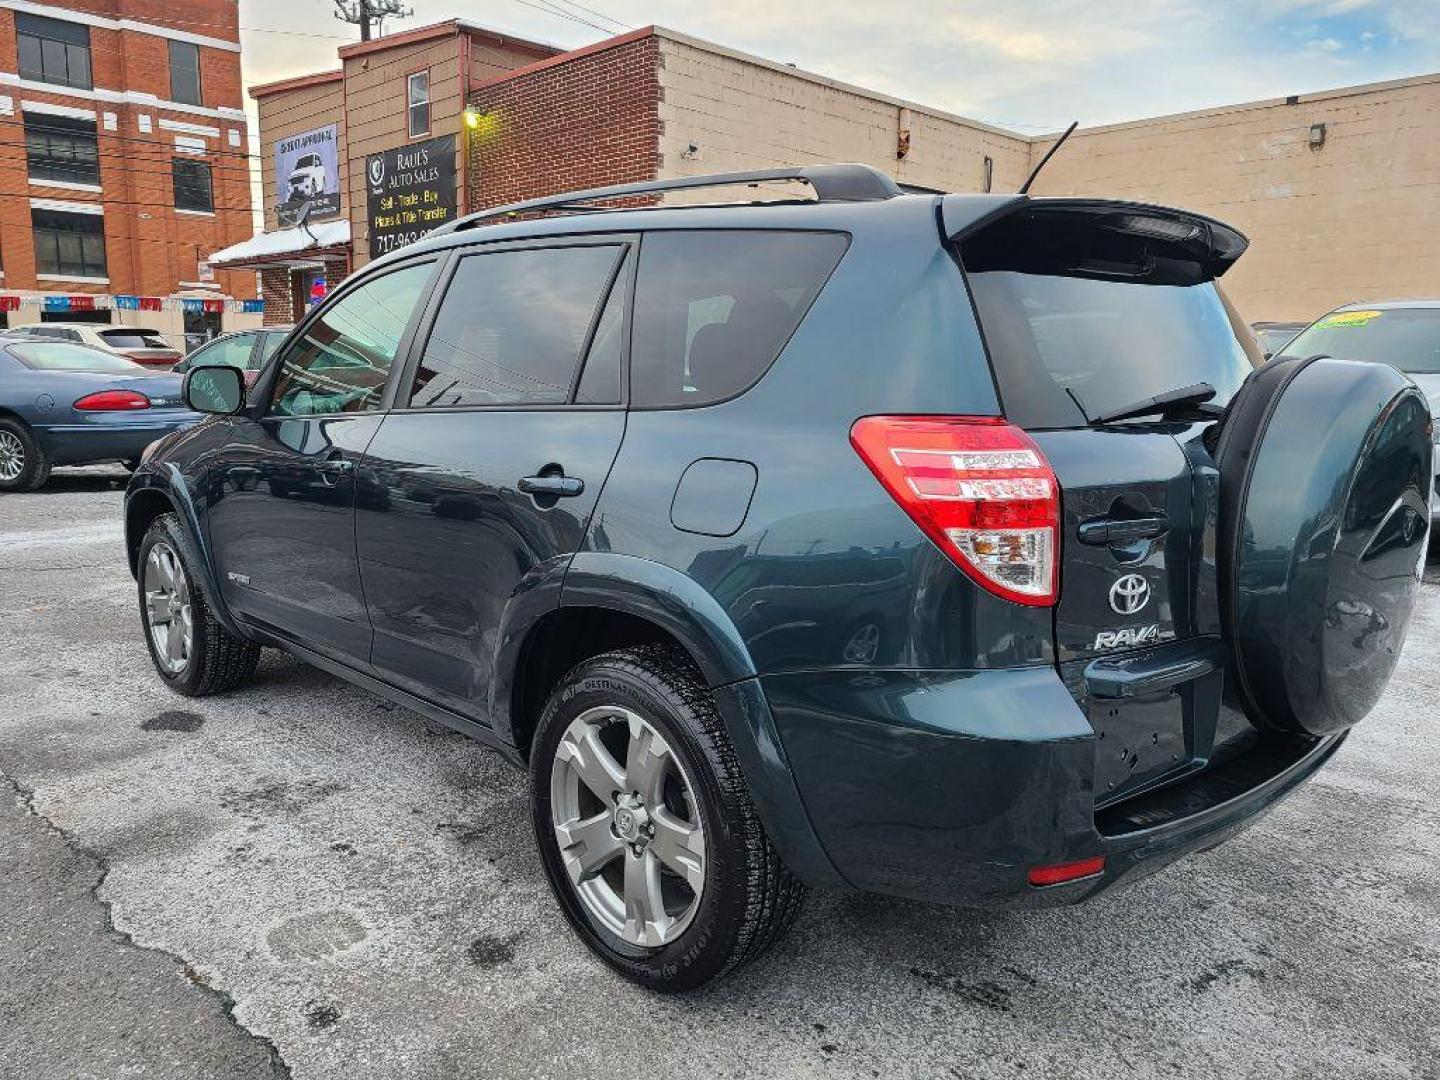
(714, 309)
(134, 339)
(1407, 339)
(63, 356)
(1082, 321)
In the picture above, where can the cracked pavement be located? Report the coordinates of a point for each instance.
(302, 866)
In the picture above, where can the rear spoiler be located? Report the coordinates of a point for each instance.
(1176, 234)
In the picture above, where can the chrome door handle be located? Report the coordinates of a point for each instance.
(558, 486)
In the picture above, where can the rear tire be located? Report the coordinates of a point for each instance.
(23, 464)
(191, 651)
(746, 896)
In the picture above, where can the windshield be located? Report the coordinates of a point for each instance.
(63, 356)
(1405, 338)
(1109, 343)
(134, 339)
(1273, 339)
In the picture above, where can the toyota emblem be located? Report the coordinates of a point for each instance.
(1129, 594)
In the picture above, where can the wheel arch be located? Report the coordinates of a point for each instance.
(609, 601)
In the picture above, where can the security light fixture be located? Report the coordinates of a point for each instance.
(1317, 136)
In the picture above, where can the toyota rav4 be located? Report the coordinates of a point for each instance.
(956, 547)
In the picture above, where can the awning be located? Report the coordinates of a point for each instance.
(299, 246)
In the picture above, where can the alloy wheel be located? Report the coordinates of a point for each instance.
(167, 608)
(12, 456)
(628, 825)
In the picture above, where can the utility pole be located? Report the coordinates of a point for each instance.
(362, 12)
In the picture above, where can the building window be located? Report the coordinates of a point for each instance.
(184, 72)
(61, 148)
(418, 98)
(69, 245)
(193, 190)
(53, 51)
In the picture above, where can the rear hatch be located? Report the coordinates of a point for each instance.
(1088, 308)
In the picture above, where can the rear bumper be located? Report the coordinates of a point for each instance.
(952, 786)
(108, 437)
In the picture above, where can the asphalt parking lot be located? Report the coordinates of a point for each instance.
(302, 880)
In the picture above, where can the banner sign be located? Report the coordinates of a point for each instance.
(306, 174)
(409, 191)
(126, 302)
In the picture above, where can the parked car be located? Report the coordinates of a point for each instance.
(245, 350)
(68, 404)
(1402, 333)
(1274, 336)
(147, 347)
(885, 542)
(307, 179)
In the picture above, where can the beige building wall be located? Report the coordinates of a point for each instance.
(743, 112)
(1355, 219)
(290, 112)
(375, 112)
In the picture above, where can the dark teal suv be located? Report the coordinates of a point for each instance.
(949, 546)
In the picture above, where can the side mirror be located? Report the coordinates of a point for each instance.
(214, 389)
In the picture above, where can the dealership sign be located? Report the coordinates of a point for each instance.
(307, 174)
(409, 191)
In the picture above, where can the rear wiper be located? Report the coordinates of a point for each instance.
(1181, 399)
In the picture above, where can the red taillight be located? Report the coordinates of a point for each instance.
(980, 488)
(1069, 871)
(113, 401)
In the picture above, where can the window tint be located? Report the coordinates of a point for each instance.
(192, 185)
(600, 381)
(1108, 342)
(53, 51)
(60, 148)
(714, 309)
(133, 338)
(340, 363)
(69, 245)
(184, 72)
(417, 92)
(511, 327)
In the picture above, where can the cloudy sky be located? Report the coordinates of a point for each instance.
(1030, 66)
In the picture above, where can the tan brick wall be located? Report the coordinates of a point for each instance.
(1354, 220)
(745, 113)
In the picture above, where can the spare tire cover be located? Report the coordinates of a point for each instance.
(1324, 517)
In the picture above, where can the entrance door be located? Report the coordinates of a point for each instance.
(493, 457)
(283, 527)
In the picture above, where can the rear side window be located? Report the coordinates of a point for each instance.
(714, 309)
(513, 326)
(1081, 321)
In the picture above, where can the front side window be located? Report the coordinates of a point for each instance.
(233, 351)
(512, 327)
(341, 360)
(68, 244)
(185, 72)
(62, 149)
(53, 51)
(714, 309)
(193, 189)
(417, 95)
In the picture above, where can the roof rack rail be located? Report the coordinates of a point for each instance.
(831, 183)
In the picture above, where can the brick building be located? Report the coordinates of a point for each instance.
(123, 163)
(1338, 191)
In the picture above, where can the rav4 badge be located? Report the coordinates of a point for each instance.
(1129, 636)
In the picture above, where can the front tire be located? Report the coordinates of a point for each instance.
(645, 827)
(191, 651)
(23, 464)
